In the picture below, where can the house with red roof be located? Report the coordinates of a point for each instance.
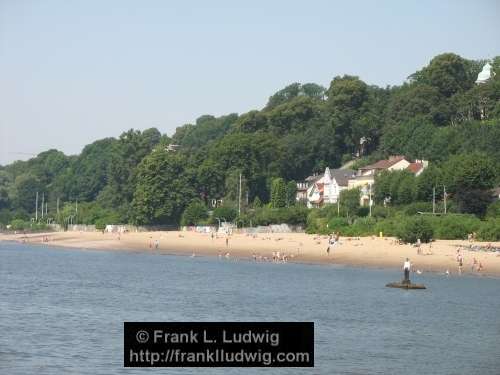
(365, 177)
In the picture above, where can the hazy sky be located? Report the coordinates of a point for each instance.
(72, 72)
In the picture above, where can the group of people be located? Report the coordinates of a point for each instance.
(419, 247)
(476, 265)
(156, 243)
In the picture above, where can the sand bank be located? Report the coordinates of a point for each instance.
(300, 247)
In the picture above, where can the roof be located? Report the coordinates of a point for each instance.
(415, 167)
(384, 164)
(314, 178)
(342, 176)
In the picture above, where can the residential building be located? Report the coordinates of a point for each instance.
(365, 178)
(324, 189)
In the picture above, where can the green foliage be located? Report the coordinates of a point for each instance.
(414, 228)
(347, 92)
(489, 230)
(451, 227)
(291, 192)
(310, 90)
(415, 208)
(295, 215)
(349, 200)
(19, 224)
(439, 115)
(493, 210)
(163, 189)
(257, 203)
(337, 224)
(22, 225)
(473, 201)
(449, 73)
(278, 193)
(195, 213)
(100, 224)
(397, 187)
(207, 129)
(363, 226)
(474, 171)
(224, 213)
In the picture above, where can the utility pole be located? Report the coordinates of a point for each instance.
(239, 198)
(36, 204)
(43, 202)
(433, 200)
(57, 206)
(444, 197)
(338, 205)
(370, 200)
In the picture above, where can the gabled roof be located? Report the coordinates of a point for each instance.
(314, 178)
(384, 164)
(415, 167)
(342, 176)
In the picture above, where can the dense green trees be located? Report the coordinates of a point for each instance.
(163, 189)
(439, 114)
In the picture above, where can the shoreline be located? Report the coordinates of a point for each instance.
(362, 252)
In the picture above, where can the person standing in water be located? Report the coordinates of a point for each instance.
(406, 269)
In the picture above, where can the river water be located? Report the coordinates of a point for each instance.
(62, 312)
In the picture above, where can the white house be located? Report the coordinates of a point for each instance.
(326, 188)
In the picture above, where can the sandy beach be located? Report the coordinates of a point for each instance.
(299, 247)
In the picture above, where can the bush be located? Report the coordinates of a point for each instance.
(316, 222)
(390, 226)
(415, 208)
(337, 224)
(493, 210)
(489, 230)
(361, 227)
(363, 211)
(195, 213)
(454, 227)
(381, 211)
(100, 224)
(224, 213)
(5, 216)
(19, 224)
(413, 228)
(296, 215)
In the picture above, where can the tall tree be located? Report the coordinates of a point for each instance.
(163, 189)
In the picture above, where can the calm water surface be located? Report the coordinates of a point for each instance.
(62, 312)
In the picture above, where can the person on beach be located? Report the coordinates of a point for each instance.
(406, 269)
(157, 244)
(419, 244)
(474, 264)
(227, 241)
(460, 264)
